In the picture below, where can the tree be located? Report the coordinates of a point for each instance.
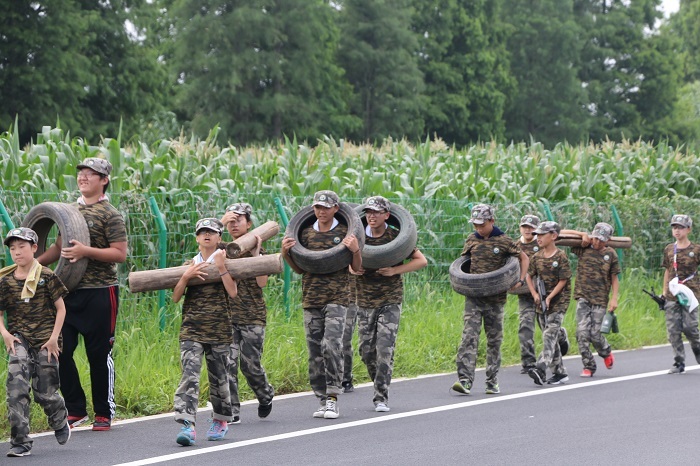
(463, 57)
(378, 53)
(545, 47)
(685, 24)
(260, 71)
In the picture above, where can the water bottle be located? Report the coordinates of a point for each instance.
(607, 323)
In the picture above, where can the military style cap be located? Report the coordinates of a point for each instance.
(242, 208)
(325, 199)
(26, 234)
(682, 220)
(212, 224)
(530, 220)
(547, 227)
(602, 231)
(377, 203)
(101, 166)
(481, 213)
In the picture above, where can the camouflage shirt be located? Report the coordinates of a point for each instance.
(374, 290)
(33, 319)
(248, 307)
(551, 270)
(330, 288)
(688, 262)
(206, 314)
(528, 248)
(489, 254)
(106, 226)
(594, 274)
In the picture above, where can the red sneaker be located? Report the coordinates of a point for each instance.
(586, 373)
(609, 360)
(102, 423)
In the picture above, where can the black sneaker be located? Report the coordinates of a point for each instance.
(536, 375)
(235, 420)
(563, 341)
(677, 369)
(557, 379)
(526, 369)
(462, 387)
(348, 387)
(63, 434)
(18, 451)
(264, 410)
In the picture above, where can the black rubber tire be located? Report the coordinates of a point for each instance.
(71, 224)
(329, 260)
(394, 252)
(481, 285)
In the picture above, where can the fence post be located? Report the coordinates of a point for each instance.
(620, 231)
(287, 273)
(9, 225)
(163, 249)
(547, 210)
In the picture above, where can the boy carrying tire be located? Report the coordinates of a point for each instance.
(550, 265)
(325, 300)
(489, 249)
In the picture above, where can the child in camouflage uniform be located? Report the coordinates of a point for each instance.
(32, 298)
(349, 330)
(379, 297)
(551, 265)
(681, 261)
(596, 275)
(489, 249)
(526, 305)
(205, 331)
(325, 300)
(249, 315)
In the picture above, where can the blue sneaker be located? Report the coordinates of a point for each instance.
(217, 430)
(187, 434)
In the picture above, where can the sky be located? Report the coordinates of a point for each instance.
(669, 6)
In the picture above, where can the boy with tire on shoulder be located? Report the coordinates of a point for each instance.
(596, 275)
(325, 300)
(32, 298)
(205, 332)
(550, 265)
(379, 298)
(489, 249)
(249, 316)
(681, 289)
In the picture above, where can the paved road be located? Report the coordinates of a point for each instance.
(634, 414)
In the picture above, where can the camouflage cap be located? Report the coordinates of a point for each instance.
(682, 220)
(530, 221)
(481, 213)
(325, 199)
(26, 234)
(602, 231)
(213, 224)
(101, 166)
(242, 208)
(377, 203)
(547, 227)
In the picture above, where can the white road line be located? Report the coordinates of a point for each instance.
(391, 417)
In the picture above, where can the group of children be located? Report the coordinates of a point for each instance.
(224, 321)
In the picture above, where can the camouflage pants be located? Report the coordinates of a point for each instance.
(187, 394)
(589, 318)
(30, 369)
(377, 329)
(680, 322)
(248, 347)
(477, 310)
(551, 354)
(526, 330)
(350, 319)
(324, 338)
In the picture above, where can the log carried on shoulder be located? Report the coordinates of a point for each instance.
(163, 279)
(247, 242)
(574, 241)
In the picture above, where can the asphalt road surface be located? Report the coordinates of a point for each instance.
(634, 414)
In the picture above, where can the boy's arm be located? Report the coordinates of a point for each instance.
(287, 244)
(261, 280)
(557, 289)
(416, 262)
(615, 285)
(7, 336)
(52, 344)
(524, 266)
(351, 243)
(115, 253)
(226, 278)
(52, 254)
(665, 285)
(585, 239)
(194, 270)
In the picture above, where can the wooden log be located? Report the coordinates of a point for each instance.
(162, 279)
(247, 242)
(622, 242)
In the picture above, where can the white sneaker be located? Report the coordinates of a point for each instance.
(320, 412)
(331, 409)
(381, 408)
